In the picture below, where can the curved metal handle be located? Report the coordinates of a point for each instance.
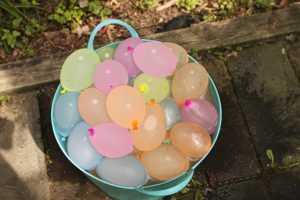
(131, 30)
(171, 190)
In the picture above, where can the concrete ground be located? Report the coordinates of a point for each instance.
(260, 93)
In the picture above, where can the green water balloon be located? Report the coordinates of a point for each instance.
(106, 53)
(77, 70)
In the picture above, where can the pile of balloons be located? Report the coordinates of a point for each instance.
(135, 112)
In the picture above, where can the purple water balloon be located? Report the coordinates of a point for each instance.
(201, 112)
(110, 74)
(123, 54)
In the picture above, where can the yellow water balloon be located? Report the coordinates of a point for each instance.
(152, 87)
(189, 82)
(152, 132)
(77, 70)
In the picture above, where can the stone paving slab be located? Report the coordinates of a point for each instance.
(294, 56)
(65, 180)
(245, 190)
(285, 185)
(269, 94)
(22, 162)
(233, 157)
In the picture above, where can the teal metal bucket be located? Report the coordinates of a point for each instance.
(152, 191)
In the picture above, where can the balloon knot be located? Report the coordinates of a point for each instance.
(110, 86)
(92, 132)
(180, 104)
(187, 102)
(64, 91)
(143, 88)
(129, 48)
(135, 124)
(152, 101)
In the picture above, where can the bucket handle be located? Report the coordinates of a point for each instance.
(174, 189)
(131, 30)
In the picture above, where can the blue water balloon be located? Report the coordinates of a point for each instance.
(66, 112)
(125, 171)
(79, 148)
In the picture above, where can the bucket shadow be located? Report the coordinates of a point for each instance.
(11, 186)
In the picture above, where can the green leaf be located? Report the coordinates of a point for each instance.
(16, 22)
(270, 156)
(185, 190)
(16, 33)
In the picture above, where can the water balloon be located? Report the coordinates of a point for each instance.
(77, 70)
(79, 148)
(152, 131)
(126, 107)
(155, 59)
(165, 162)
(172, 111)
(190, 81)
(66, 113)
(201, 112)
(111, 140)
(125, 171)
(123, 54)
(92, 106)
(191, 139)
(152, 87)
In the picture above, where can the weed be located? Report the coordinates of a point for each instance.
(188, 5)
(4, 99)
(146, 4)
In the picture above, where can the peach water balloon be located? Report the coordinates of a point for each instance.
(190, 81)
(191, 139)
(123, 54)
(152, 87)
(66, 114)
(106, 53)
(111, 140)
(92, 106)
(155, 59)
(126, 107)
(77, 71)
(165, 162)
(125, 171)
(79, 148)
(172, 111)
(110, 74)
(181, 54)
(152, 131)
(201, 112)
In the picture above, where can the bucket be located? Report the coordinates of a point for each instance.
(152, 191)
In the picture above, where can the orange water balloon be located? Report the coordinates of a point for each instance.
(165, 162)
(181, 54)
(126, 107)
(189, 82)
(152, 131)
(92, 106)
(191, 139)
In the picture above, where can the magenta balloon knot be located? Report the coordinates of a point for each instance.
(92, 132)
(110, 86)
(187, 102)
(130, 48)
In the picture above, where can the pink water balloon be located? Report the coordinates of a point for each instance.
(155, 59)
(123, 54)
(110, 74)
(201, 112)
(111, 140)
